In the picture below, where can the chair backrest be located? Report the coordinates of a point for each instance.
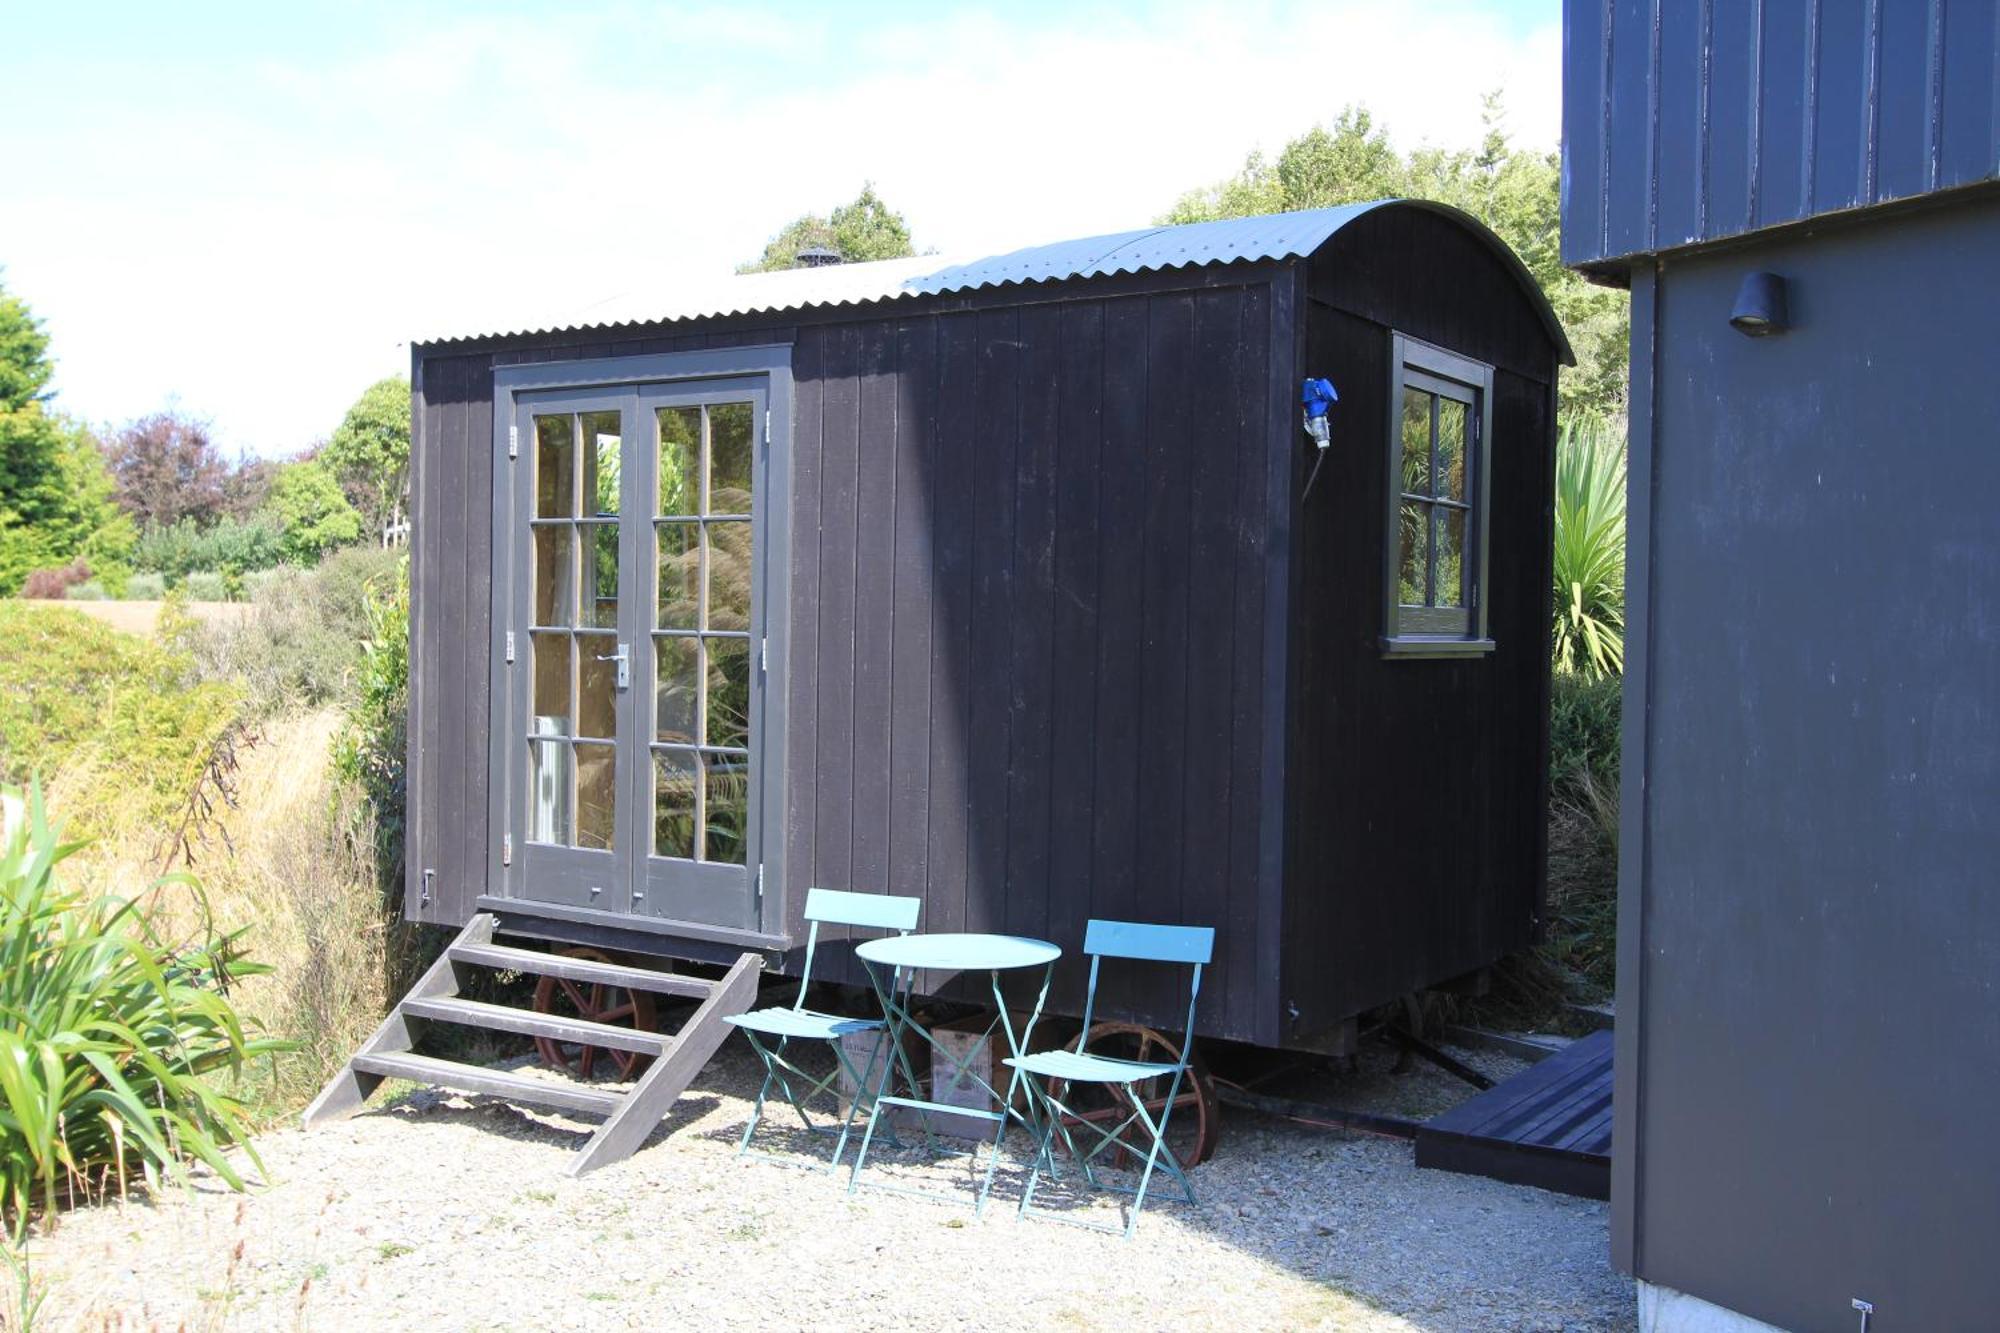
(1144, 942)
(876, 911)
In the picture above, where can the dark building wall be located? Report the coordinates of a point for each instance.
(1418, 792)
(1809, 1039)
(1690, 120)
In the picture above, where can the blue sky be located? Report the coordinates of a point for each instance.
(248, 210)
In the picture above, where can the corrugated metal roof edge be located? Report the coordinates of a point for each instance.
(1334, 219)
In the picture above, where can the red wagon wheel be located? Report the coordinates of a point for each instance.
(1194, 1129)
(597, 1003)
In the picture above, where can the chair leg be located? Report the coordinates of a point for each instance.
(1159, 1133)
(867, 1137)
(1044, 1143)
(863, 1087)
(763, 1091)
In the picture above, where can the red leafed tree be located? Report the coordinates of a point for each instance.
(166, 468)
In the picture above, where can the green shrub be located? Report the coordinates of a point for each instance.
(302, 642)
(115, 1044)
(145, 588)
(91, 591)
(180, 549)
(370, 749)
(206, 585)
(1590, 548)
(308, 500)
(1583, 732)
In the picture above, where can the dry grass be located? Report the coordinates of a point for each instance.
(289, 859)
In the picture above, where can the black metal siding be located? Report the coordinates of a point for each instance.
(1810, 934)
(1691, 120)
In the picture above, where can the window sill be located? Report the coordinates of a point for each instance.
(1435, 645)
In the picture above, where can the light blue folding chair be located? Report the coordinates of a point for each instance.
(1187, 945)
(871, 911)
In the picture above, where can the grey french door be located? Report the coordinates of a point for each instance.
(639, 683)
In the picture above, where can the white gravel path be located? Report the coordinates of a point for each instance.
(449, 1212)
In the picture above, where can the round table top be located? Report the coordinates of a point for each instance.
(958, 953)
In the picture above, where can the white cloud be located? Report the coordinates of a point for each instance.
(263, 254)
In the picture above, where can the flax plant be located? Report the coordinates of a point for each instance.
(117, 1048)
(1590, 549)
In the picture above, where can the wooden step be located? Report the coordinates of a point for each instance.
(500, 1018)
(579, 969)
(493, 1082)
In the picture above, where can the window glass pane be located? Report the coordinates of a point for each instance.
(596, 685)
(596, 795)
(680, 575)
(729, 575)
(548, 792)
(555, 576)
(555, 467)
(729, 453)
(1416, 442)
(678, 665)
(550, 665)
(680, 460)
(1412, 544)
(1450, 557)
(601, 460)
(675, 778)
(728, 692)
(1451, 448)
(600, 574)
(727, 813)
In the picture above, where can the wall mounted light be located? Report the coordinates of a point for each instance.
(1760, 306)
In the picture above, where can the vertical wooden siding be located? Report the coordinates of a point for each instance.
(1020, 539)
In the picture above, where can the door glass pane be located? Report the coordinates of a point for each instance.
(601, 461)
(1411, 540)
(730, 446)
(680, 460)
(729, 570)
(727, 812)
(1416, 442)
(728, 722)
(596, 795)
(555, 467)
(548, 792)
(675, 777)
(680, 575)
(1450, 557)
(600, 574)
(1451, 448)
(675, 698)
(550, 665)
(596, 685)
(555, 576)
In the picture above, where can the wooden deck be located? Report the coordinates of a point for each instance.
(1548, 1126)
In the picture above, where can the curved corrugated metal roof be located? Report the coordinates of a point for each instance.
(1187, 245)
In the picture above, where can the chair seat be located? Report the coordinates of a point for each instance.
(1086, 1068)
(804, 1023)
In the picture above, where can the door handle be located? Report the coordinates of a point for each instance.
(623, 657)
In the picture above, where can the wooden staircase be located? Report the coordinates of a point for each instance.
(628, 1116)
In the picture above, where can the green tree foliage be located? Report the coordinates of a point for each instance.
(55, 497)
(1590, 549)
(317, 518)
(241, 546)
(863, 230)
(1513, 191)
(369, 452)
(370, 748)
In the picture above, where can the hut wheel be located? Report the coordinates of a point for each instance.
(1193, 1130)
(598, 1004)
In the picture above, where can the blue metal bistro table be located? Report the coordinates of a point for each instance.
(887, 961)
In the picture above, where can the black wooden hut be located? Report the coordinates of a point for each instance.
(1808, 1043)
(1017, 585)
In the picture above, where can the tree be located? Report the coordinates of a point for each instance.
(166, 469)
(55, 497)
(317, 517)
(1515, 192)
(863, 230)
(369, 452)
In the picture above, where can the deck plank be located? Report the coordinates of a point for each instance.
(1549, 1126)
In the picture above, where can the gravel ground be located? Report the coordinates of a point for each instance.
(450, 1212)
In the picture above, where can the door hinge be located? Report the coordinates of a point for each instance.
(506, 849)
(430, 877)
(510, 645)
(513, 441)
(760, 884)
(767, 428)
(764, 655)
